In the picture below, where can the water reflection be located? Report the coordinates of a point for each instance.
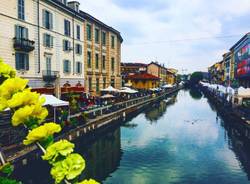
(103, 156)
(188, 142)
(195, 93)
(154, 113)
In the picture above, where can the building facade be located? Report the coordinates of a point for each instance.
(241, 56)
(42, 41)
(158, 70)
(102, 56)
(144, 81)
(128, 69)
(47, 42)
(216, 73)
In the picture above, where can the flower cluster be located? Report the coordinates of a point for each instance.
(28, 110)
(6, 71)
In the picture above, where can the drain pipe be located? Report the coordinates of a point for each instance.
(38, 31)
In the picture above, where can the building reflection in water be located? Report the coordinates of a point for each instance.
(102, 156)
(239, 141)
(155, 112)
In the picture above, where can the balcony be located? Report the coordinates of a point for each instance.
(22, 44)
(49, 76)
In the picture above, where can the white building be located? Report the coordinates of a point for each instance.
(42, 39)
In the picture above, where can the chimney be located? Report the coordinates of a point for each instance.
(63, 1)
(74, 5)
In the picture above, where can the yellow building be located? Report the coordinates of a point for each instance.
(144, 81)
(156, 69)
(171, 76)
(102, 59)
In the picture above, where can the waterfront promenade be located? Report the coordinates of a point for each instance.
(100, 118)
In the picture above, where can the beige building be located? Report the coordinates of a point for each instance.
(43, 39)
(102, 56)
(158, 70)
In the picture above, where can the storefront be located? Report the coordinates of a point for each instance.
(242, 60)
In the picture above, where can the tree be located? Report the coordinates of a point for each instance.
(196, 77)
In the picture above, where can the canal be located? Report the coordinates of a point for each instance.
(181, 140)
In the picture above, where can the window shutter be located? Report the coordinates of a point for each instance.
(25, 33)
(17, 31)
(44, 23)
(51, 21)
(51, 41)
(44, 39)
(27, 62)
(69, 65)
(81, 68)
(64, 65)
(17, 61)
(64, 45)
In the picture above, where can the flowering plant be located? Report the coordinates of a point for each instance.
(28, 110)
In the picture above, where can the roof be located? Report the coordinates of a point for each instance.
(240, 41)
(83, 15)
(143, 76)
(134, 64)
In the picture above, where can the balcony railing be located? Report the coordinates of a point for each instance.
(49, 76)
(22, 44)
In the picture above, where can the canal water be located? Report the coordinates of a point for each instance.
(181, 140)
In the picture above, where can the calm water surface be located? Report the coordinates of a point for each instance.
(181, 141)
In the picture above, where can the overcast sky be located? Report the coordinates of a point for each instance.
(184, 34)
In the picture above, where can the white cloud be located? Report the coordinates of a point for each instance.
(145, 29)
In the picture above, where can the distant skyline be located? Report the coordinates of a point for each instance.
(182, 34)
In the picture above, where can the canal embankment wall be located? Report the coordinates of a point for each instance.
(22, 155)
(226, 109)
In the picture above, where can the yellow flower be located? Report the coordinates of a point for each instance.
(60, 148)
(29, 111)
(71, 167)
(90, 181)
(42, 132)
(11, 86)
(3, 104)
(26, 97)
(21, 115)
(6, 70)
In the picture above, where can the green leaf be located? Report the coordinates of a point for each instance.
(7, 169)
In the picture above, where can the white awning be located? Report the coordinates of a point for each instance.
(107, 96)
(110, 89)
(127, 90)
(168, 86)
(53, 101)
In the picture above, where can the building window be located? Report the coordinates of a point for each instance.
(78, 67)
(66, 66)
(97, 85)
(90, 84)
(113, 82)
(66, 45)
(103, 38)
(96, 61)
(48, 64)
(113, 64)
(47, 19)
(21, 9)
(104, 83)
(103, 62)
(89, 59)
(47, 40)
(78, 49)
(97, 35)
(89, 32)
(112, 42)
(78, 32)
(21, 32)
(66, 27)
(22, 61)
